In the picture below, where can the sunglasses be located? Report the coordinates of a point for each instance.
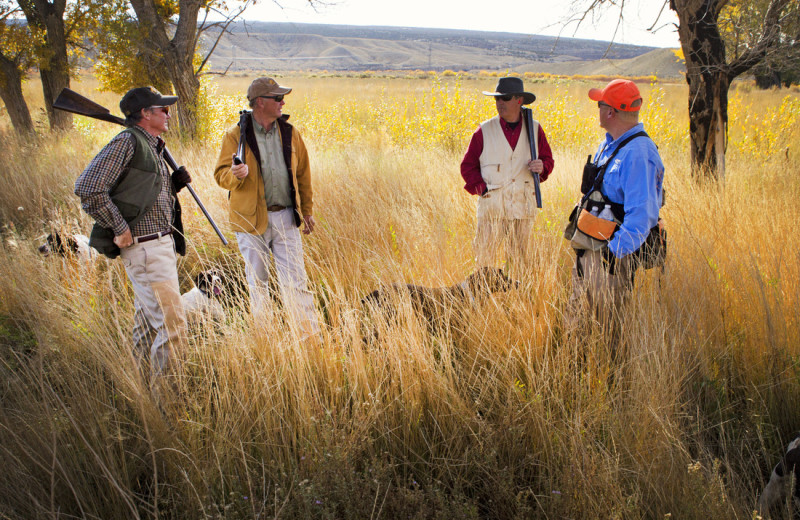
(164, 109)
(600, 104)
(277, 98)
(506, 97)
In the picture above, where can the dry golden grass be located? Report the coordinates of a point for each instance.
(498, 416)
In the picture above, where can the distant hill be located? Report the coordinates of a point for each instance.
(659, 62)
(288, 46)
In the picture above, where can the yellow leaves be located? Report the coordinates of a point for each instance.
(763, 127)
(442, 117)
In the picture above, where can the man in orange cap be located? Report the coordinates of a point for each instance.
(498, 166)
(630, 177)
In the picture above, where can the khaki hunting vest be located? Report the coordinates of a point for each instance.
(511, 192)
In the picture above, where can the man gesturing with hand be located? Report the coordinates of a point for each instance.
(270, 198)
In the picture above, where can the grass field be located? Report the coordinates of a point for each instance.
(498, 416)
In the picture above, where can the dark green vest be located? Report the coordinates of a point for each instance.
(134, 195)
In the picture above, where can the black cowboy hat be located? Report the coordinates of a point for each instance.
(512, 86)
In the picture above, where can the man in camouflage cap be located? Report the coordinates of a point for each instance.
(270, 197)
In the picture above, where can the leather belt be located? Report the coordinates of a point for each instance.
(276, 208)
(153, 236)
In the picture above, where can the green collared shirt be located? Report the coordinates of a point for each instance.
(273, 166)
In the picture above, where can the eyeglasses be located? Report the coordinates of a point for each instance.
(277, 98)
(506, 97)
(164, 109)
(600, 104)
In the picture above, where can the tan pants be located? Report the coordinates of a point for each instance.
(513, 236)
(159, 326)
(599, 295)
(281, 242)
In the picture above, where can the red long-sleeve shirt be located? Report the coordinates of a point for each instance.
(471, 165)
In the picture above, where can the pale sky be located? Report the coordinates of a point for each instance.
(545, 17)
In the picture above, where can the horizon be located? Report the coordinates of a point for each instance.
(554, 21)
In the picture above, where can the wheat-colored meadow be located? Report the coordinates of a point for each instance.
(497, 416)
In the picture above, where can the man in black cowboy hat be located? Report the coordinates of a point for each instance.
(498, 167)
(131, 195)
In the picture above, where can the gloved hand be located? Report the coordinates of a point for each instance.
(609, 260)
(180, 178)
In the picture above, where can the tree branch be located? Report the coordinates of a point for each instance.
(223, 29)
(769, 38)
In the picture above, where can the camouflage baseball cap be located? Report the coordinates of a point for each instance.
(265, 87)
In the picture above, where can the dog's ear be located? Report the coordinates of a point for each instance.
(498, 281)
(53, 241)
(200, 279)
(507, 282)
(72, 244)
(792, 461)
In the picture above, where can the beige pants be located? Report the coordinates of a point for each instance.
(512, 235)
(282, 242)
(159, 326)
(599, 295)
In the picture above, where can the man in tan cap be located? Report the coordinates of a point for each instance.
(499, 167)
(270, 197)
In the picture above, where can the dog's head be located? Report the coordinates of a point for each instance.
(209, 282)
(785, 472)
(58, 243)
(490, 280)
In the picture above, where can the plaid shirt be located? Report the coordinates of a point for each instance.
(95, 183)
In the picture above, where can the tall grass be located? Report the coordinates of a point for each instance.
(497, 414)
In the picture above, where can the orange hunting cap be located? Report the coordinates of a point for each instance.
(622, 94)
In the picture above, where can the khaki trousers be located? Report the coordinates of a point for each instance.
(512, 235)
(282, 242)
(159, 327)
(599, 295)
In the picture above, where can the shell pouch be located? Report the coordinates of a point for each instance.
(585, 229)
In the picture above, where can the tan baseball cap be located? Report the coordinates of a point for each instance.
(265, 87)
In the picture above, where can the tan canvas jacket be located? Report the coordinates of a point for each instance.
(247, 204)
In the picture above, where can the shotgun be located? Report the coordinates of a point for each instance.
(532, 140)
(70, 101)
(244, 119)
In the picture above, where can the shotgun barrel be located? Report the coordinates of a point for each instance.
(70, 101)
(532, 140)
(244, 119)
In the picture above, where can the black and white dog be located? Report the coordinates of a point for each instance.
(203, 299)
(67, 245)
(777, 489)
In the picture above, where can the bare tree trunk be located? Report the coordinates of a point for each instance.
(48, 17)
(11, 93)
(187, 88)
(177, 53)
(707, 76)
